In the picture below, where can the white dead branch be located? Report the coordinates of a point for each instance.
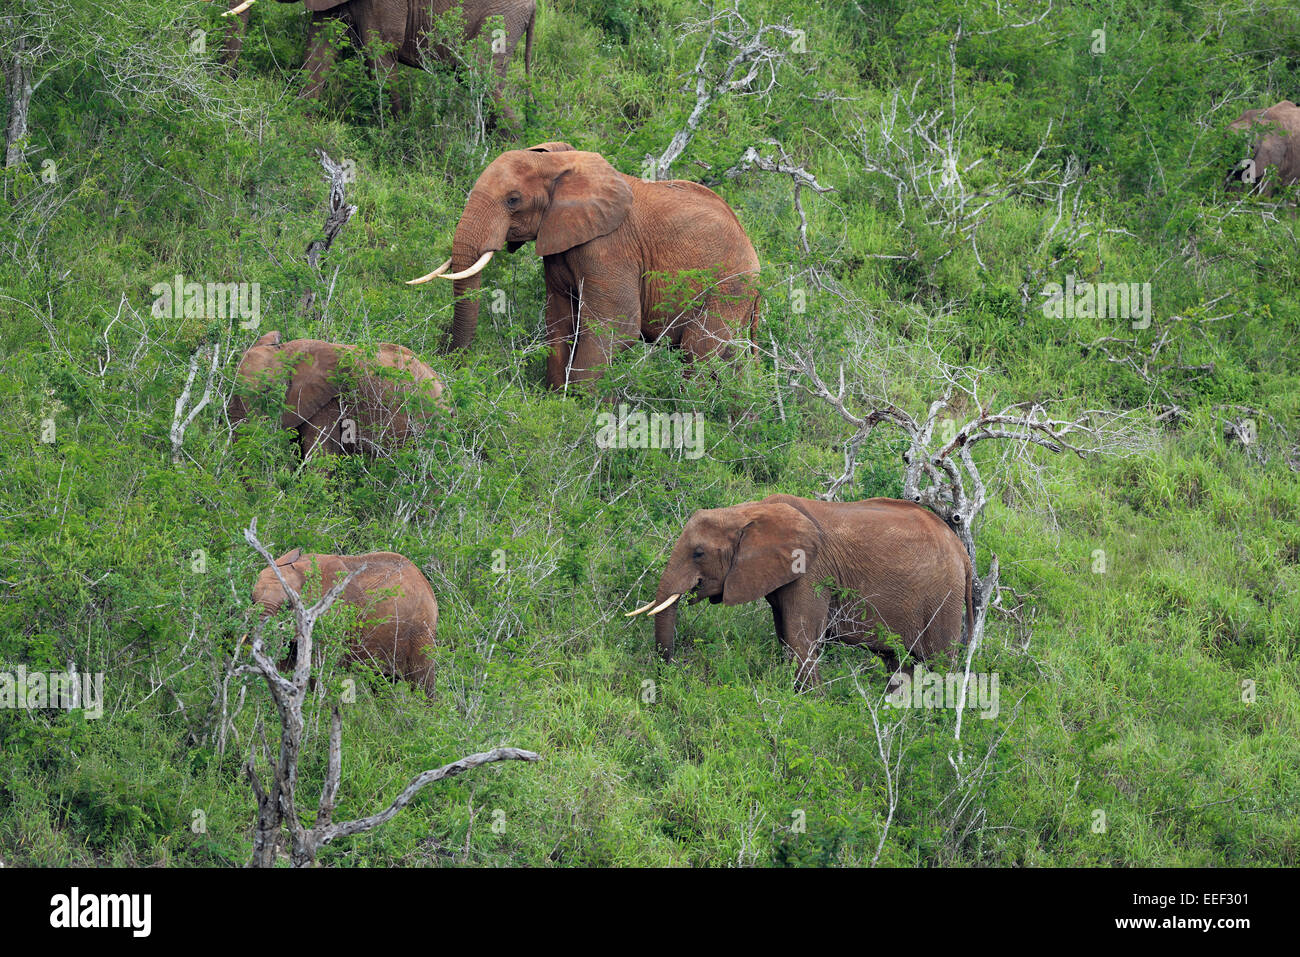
(180, 419)
(785, 166)
(340, 212)
(752, 53)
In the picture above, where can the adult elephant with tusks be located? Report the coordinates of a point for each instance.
(853, 572)
(624, 260)
(398, 31)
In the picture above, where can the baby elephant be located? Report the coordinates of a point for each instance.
(1276, 159)
(396, 612)
(853, 572)
(340, 398)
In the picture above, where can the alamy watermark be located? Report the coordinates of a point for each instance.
(179, 299)
(1099, 300)
(937, 689)
(33, 690)
(654, 430)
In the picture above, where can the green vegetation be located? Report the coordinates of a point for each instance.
(1157, 683)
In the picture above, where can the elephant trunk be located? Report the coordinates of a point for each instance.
(481, 229)
(666, 631)
(672, 583)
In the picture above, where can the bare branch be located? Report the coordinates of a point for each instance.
(750, 50)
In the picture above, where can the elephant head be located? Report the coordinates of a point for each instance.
(268, 593)
(732, 555)
(260, 363)
(551, 193)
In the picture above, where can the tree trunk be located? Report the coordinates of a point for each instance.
(18, 77)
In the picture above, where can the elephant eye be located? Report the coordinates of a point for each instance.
(699, 553)
(513, 200)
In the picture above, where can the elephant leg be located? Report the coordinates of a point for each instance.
(609, 320)
(320, 56)
(894, 671)
(730, 309)
(703, 339)
(419, 667)
(234, 38)
(324, 431)
(559, 336)
(501, 66)
(803, 615)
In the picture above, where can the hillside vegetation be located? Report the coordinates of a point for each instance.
(1150, 696)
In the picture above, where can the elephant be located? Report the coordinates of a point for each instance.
(1278, 147)
(613, 250)
(339, 398)
(397, 613)
(851, 572)
(402, 28)
(233, 44)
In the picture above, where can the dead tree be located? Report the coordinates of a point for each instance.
(26, 42)
(785, 166)
(919, 149)
(338, 175)
(940, 471)
(1153, 363)
(277, 803)
(181, 419)
(752, 51)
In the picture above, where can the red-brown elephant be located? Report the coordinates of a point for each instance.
(400, 29)
(397, 615)
(614, 250)
(1275, 160)
(832, 571)
(340, 398)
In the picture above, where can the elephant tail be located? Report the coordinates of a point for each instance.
(528, 42)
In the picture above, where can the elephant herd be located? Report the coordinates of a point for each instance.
(397, 31)
(624, 261)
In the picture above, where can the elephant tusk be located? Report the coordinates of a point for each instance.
(666, 602)
(235, 11)
(437, 272)
(473, 270)
(647, 605)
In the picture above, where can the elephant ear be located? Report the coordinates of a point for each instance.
(589, 199)
(1271, 151)
(776, 546)
(311, 385)
(1245, 121)
(555, 146)
(294, 576)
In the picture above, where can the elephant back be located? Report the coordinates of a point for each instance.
(392, 394)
